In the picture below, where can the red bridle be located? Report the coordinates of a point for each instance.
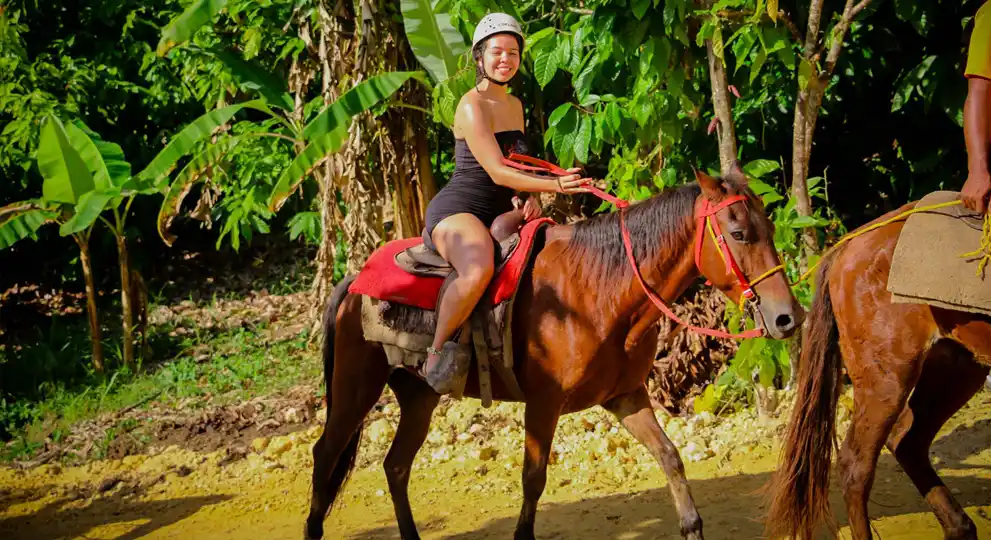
(703, 213)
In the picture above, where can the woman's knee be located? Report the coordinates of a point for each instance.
(462, 238)
(479, 271)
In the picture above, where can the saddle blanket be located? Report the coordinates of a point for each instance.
(382, 279)
(927, 266)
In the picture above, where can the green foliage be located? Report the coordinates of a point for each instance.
(67, 177)
(182, 28)
(766, 361)
(22, 220)
(307, 225)
(327, 133)
(434, 41)
(242, 366)
(180, 145)
(253, 77)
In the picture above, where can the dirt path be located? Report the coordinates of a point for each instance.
(466, 484)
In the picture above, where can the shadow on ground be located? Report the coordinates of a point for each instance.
(64, 519)
(730, 507)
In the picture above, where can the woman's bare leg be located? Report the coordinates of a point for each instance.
(465, 242)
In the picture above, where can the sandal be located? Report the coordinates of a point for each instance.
(452, 365)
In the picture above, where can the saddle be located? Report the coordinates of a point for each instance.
(421, 260)
(929, 265)
(403, 281)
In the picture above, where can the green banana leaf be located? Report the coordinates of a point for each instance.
(182, 28)
(88, 210)
(328, 131)
(22, 220)
(434, 40)
(66, 175)
(190, 174)
(180, 145)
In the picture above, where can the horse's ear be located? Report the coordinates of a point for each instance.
(711, 187)
(737, 174)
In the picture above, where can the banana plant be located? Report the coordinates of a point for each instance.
(322, 136)
(85, 178)
(313, 141)
(82, 176)
(440, 48)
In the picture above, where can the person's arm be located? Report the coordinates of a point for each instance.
(976, 122)
(474, 126)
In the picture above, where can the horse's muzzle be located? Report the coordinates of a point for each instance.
(781, 323)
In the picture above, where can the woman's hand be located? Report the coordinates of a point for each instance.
(572, 183)
(532, 209)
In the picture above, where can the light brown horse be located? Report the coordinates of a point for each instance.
(584, 332)
(939, 357)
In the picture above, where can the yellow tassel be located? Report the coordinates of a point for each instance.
(983, 252)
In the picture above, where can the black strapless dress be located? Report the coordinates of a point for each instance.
(471, 189)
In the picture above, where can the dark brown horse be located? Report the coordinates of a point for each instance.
(891, 351)
(585, 333)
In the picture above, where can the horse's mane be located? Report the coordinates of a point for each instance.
(657, 226)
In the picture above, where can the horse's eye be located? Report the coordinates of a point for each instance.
(737, 235)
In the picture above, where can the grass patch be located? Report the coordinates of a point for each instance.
(220, 368)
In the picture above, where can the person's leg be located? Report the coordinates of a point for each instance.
(465, 242)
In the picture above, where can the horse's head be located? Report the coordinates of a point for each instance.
(735, 251)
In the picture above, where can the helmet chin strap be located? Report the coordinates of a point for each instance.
(485, 75)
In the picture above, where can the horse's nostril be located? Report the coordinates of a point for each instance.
(784, 322)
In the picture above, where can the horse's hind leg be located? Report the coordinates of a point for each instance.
(637, 416)
(416, 404)
(949, 379)
(881, 384)
(359, 377)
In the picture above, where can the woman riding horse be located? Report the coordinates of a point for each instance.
(488, 124)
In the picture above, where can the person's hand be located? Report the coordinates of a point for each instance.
(572, 183)
(976, 190)
(531, 209)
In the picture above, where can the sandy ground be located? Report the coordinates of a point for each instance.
(466, 483)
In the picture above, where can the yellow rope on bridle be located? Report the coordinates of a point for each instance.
(753, 283)
(984, 252)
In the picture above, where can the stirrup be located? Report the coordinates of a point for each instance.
(452, 365)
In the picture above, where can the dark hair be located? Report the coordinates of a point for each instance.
(479, 49)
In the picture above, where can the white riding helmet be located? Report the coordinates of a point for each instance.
(495, 23)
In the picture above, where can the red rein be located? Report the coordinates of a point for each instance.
(537, 165)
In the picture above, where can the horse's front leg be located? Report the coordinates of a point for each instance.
(637, 416)
(540, 422)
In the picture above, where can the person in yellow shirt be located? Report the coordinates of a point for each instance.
(977, 113)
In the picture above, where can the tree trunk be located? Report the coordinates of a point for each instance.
(363, 228)
(808, 101)
(723, 110)
(427, 184)
(334, 66)
(125, 299)
(404, 152)
(95, 333)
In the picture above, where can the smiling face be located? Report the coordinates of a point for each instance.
(500, 57)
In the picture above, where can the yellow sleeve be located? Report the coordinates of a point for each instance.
(979, 52)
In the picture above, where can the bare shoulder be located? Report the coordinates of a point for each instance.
(470, 110)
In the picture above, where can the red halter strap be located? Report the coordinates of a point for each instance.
(702, 216)
(707, 210)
